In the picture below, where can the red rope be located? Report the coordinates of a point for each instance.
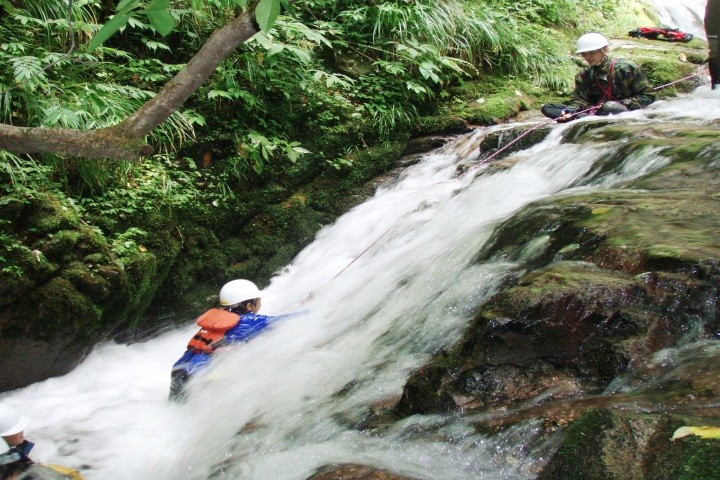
(677, 81)
(592, 110)
(361, 254)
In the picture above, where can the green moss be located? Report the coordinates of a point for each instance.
(87, 281)
(141, 286)
(60, 309)
(607, 445)
(702, 460)
(560, 279)
(61, 244)
(490, 111)
(661, 70)
(440, 125)
(48, 214)
(579, 456)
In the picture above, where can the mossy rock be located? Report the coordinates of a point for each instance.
(59, 309)
(87, 281)
(61, 245)
(48, 214)
(440, 125)
(491, 111)
(611, 445)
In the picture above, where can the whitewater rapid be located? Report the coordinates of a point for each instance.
(392, 282)
(687, 15)
(383, 288)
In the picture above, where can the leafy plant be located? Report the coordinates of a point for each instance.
(259, 149)
(128, 242)
(10, 248)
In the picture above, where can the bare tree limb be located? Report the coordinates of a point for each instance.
(125, 141)
(218, 47)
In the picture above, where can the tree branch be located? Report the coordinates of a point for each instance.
(125, 141)
(218, 47)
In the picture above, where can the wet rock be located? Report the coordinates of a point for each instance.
(604, 280)
(564, 330)
(606, 444)
(425, 144)
(503, 143)
(356, 472)
(26, 359)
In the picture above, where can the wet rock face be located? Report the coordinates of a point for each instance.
(606, 444)
(37, 359)
(565, 330)
(356, 472)
(604, 280)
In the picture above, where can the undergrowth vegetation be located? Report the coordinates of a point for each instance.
(363, 71)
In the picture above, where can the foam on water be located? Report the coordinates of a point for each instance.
(392, 282)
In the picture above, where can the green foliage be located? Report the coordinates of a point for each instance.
(159, 184)
(129, 242)
(266, 13)
(542, 12)
(82, 91)
(259, 149)
(22, 178)
(127, 11)
(10, 249)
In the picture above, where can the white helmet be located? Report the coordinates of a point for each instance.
(590, 42)
(11, 422)
(238, 291)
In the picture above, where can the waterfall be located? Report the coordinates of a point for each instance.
(392, 282)
(686, 15)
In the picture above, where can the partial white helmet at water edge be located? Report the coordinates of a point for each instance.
(238, 291)
(11, 422)
(590, 42)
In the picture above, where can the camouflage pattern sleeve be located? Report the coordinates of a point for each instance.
(581, 96)
(632, 86)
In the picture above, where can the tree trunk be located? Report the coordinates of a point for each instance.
(126, 140)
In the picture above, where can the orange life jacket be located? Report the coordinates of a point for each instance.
(213, 325)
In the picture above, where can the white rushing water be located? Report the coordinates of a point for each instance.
(687, 15)
(284, 404)
(392, 282)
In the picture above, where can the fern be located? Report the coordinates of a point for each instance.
(28, 69)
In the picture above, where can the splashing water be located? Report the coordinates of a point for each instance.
(687, 15)
(393, 281)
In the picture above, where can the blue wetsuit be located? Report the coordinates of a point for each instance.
(249, 326)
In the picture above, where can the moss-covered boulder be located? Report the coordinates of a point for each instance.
(604, 280)
(63, 288)
(610, 445)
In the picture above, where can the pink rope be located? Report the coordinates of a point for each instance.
(592, 110)
(361, 254)
(677, 81)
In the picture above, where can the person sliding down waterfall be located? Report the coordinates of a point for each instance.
(237, 321)
(606, 86)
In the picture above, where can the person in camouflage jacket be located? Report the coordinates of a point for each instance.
(606, 86)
